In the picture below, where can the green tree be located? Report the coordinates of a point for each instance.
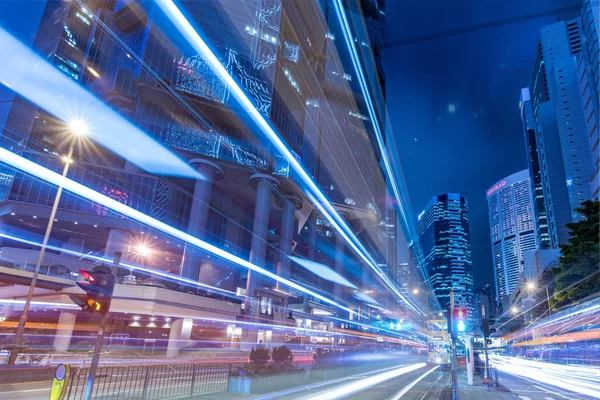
(577, 277)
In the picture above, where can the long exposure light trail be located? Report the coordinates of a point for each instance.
(31, 76)
(52, 177)
(196, 41)
(178, 278)
(579, 379)
(362, 384)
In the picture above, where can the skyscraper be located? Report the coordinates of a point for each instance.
(535, 173)
(512, 228)
(588, 71)
(307, 131)
(563, 149)
(445, 237)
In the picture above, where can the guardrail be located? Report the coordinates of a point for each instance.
(152, 382)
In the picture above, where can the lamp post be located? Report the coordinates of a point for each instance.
(531, 286)
(77, 128)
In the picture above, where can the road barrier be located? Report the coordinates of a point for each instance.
(152, 382)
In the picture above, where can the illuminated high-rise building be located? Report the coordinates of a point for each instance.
(559, 118)
(296, 172)
(512, 229)
(446, 240)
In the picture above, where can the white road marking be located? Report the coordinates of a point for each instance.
(549, 391)
(524, 397)
(26, 391)
(402, 392)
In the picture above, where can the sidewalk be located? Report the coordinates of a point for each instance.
(478, 390)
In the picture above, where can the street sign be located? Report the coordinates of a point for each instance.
(60, 382)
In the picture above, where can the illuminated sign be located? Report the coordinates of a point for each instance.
(496, 187)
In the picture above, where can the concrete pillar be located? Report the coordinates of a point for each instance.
(117, 246)
(209, 172)
(181, 330)
(73, 244)
(289, 205)
(64, 330)
(260, 228)
(338, 263)
(311, 253)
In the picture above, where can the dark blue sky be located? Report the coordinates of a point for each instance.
(480, 73)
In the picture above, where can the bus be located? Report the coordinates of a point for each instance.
(438, 342)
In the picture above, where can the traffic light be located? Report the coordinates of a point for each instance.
(98, 291)
(459, 320)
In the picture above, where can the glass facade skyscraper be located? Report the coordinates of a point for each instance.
(446, 240)
(278, 127)
(512, 229)
(558, 118)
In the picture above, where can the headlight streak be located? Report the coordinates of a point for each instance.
(405, 390)
(575, 379)
(339, 9)
(191, 35)
(208, 287)
(39, 303)
(74, 187)
(362, 384)
(29, 75)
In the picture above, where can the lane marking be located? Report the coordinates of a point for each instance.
(27, 391)
(402, 392)
(524, 397)
(549, 391)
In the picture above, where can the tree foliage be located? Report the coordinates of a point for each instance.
(578, 277)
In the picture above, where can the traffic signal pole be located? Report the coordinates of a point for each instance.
(453, 355)
(89, 385)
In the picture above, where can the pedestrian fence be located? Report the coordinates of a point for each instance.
(152, 382)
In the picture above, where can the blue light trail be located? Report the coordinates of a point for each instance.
(193, 38)
(74, 187)
(32, 77)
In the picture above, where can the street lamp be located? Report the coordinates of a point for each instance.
(415, 291)
(531, 286)
(514, 310)
(77, 128)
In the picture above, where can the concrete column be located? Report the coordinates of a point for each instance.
(312, 236)
(209, 173)
(64, 330)
(181, 330)
(117, 246)
(260, 227)
(74, 244)
(289, 204)
(338, 262)
(311, 253)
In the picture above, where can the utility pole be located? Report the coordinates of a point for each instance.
(486, 334)
(89, 385)
(453, 355)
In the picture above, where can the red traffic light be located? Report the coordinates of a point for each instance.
(87, 275)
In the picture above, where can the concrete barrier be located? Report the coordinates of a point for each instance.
(22, 374)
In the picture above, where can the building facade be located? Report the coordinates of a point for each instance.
(512, 229)
(251, 201)
(588, 71)
(560, 119)
(445, 237)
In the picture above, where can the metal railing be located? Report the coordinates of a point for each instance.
(153, 382)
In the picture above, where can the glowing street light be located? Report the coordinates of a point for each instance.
(142, 249)
(514, 310)
(530, 286)
(415, 291)
(77, 128)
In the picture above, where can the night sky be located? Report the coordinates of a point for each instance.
(453, 101)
